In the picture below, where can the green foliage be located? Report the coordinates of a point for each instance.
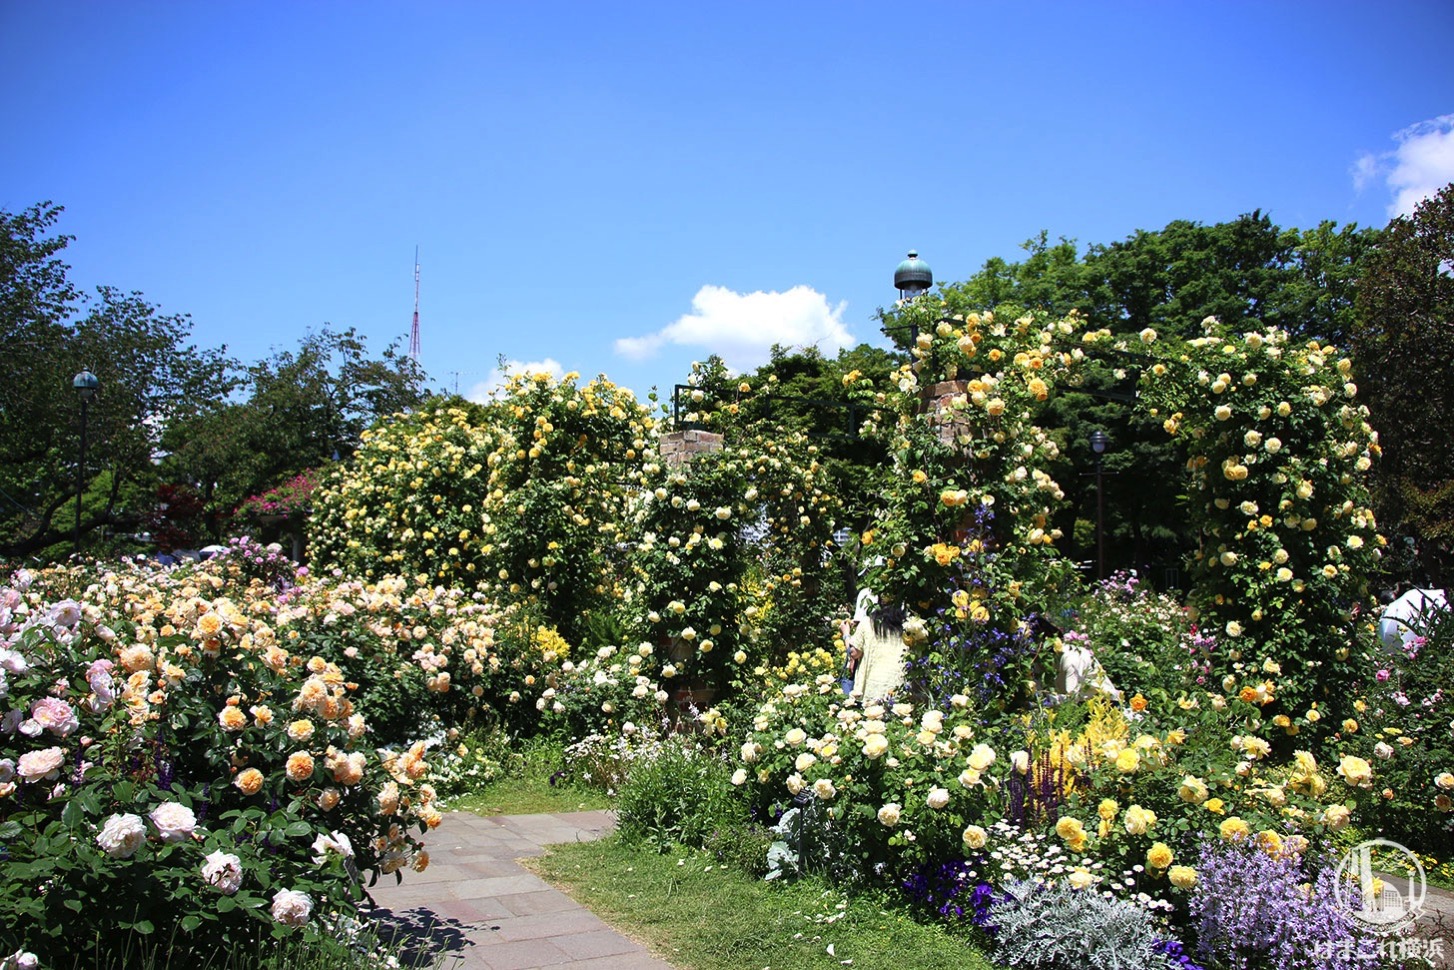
(677, 797)
(1279, 454)
(302, 408)
(416, 483)
(468, 763)
(1404, 342)
(147, 370)
(523, 498)
(741, 845)
(1142, 639)
(1403, 731)
(965, 540)
(1247, 272)
(732, 560)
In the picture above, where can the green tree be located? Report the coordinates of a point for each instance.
(301, 408)
(1404, 343)
(1248, 273)
(147, 370)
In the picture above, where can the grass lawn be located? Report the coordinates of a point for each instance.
(699, 915)
(528, 791)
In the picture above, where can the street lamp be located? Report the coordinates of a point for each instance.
(85, 384)
(1098, 443)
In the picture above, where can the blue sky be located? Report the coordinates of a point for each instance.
(627, 187)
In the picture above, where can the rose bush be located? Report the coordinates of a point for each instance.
(172, 761)
(732, 559)
(1278, 453)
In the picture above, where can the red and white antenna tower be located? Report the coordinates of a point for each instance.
(414, 332)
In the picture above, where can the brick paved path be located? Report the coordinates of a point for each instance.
(483, 911)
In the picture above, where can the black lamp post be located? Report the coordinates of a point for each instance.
(85, 384)
(1098, 443)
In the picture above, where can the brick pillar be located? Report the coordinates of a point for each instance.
(939, 401)
(680, 447)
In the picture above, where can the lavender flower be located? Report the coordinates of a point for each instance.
(1251, 910)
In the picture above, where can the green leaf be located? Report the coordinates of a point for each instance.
(298, 829)
(144, 927)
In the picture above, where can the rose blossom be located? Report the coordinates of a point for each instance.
(41, 765)
(292, 908)
(223, 872)
(300, 766)
(121, 836)
(174, 821)
(337, 842)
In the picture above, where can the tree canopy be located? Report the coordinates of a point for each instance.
(147, 370)
(1404, 342)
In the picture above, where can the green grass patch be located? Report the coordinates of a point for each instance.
(699, 915)
(528, 790)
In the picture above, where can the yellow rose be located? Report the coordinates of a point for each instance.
(1213, 805)
(1355, 771)
(1159, 855)
(1128, 761)
(1183, 877)
(1108, 808)
(1234, 829)
(1193, 790)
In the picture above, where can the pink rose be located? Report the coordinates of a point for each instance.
(55, 716)
(44, 765)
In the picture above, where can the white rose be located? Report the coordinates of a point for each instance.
(222, 871)
(174, 821)
(292, 908)
(121, 836)
(889, 814)
(324, 844)
(938, 798)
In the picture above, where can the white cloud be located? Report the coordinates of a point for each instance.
(482, 391)
(1422, 164)
(742, 327)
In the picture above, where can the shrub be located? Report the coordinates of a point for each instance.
(741, 845)
(1279, 452)
(169, 767)
(1253, 909)
(1057, 926)
(1142, 639)
(678, 796)
(1401, 728)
